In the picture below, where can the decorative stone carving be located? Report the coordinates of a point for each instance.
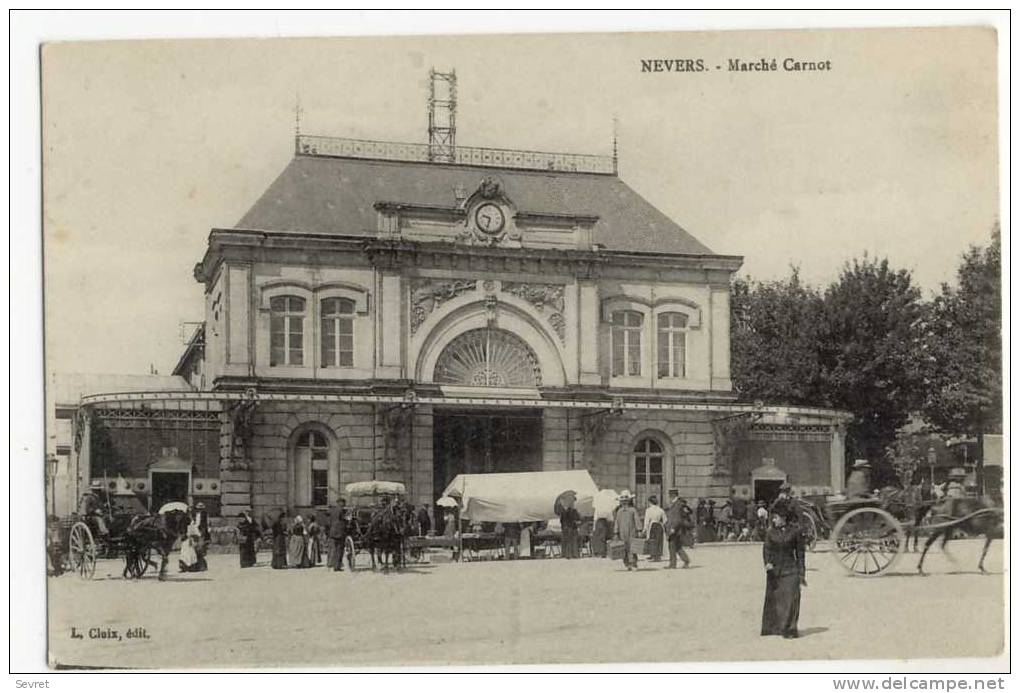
(593, 427)
(547, 298)
(429, 294)
(489, 188)
(242, 429)
(394, 421)
(559, 323)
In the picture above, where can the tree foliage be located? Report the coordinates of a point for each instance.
(774, 337)
(853, 347)
(870, 345)
(963, 347)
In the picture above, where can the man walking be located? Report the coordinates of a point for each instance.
(338, 531)
(626, 527)
(678, 525)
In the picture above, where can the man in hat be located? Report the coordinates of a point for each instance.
(625, 528)
(93, 504)
(858, 484)
(678, 527)
(954, 484)
(339, 528)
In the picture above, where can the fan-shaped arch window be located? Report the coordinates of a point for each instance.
(488, 357)
(286, 331)
(311, 469)
(649, 458)
(337, 332)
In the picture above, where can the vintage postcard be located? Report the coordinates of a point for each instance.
(523, 349)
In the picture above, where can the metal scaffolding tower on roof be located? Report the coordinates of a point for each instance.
(442, 115)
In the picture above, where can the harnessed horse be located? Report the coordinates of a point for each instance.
(975, 515)
(159, 532)
(386, 536)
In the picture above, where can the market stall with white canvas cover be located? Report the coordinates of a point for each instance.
(520, 496)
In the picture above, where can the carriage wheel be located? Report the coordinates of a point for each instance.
(349, 551)
(810, 531)
(82, 549)
(867, 541)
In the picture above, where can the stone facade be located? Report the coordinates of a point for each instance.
(419, 320)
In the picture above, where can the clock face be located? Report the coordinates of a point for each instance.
(489, 218)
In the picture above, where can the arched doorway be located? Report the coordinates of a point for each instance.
(483, 441)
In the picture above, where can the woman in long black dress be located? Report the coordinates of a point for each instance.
(280, 541)
(783, 553)
(249, 534)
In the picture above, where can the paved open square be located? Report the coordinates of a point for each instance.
(522, 612)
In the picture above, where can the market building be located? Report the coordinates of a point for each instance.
(393, 311)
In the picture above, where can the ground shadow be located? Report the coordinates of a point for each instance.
(178, 578)
(815, 630)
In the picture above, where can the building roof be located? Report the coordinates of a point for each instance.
(66, 389)
(336, 196)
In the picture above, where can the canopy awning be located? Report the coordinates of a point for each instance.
(520, 496)
(375, 488)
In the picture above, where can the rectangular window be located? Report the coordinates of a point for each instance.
(671, 348)
(286, 331)
(626, 342)
(320, 487)
(295, 343)
(337, 333)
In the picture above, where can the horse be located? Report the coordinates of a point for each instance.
(977, 515)
(386, 537)
(159, 532)
(905, 504)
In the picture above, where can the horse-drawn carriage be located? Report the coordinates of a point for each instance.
(871, 533)
(111, 526)
(376, 526)
(99, 530)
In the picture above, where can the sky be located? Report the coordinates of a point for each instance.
(149, 145)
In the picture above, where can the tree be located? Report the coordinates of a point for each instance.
(870, 353)
(963, 346)
(774, 337)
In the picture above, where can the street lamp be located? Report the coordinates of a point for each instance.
(52, 467)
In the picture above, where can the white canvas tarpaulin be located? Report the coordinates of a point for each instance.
(520, 496)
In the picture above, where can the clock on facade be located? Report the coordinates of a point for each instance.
(489, 218)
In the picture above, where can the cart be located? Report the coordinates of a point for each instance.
(363, 505)
(83, 542)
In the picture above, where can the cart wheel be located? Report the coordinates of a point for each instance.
(349, 551)
(82, 549)
(867, 541)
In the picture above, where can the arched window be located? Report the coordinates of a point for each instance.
(672, 345)
(648, 464)
(626, 342)
(337, 335)
(488, 357)
(286, 331)
(311, 469)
